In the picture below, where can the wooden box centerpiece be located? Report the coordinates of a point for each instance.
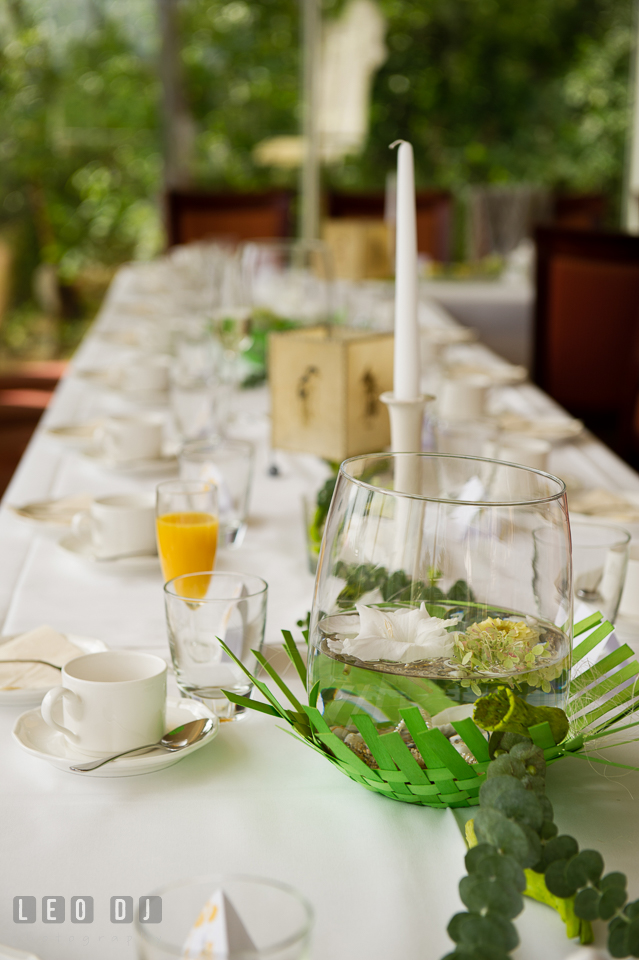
(325, 387)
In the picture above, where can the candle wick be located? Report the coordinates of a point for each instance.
(396, 143)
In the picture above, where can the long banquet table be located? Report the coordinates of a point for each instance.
(382, 876)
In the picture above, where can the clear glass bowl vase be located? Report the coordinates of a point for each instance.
(434, 587)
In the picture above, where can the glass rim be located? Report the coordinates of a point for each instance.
(524, 501)
(190, 447)
(620, 534)
(220, 879)
(203, 485)
(283, 243)
(219, 574)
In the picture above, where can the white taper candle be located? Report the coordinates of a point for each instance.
(407, 360)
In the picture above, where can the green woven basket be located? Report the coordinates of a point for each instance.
(448, 780)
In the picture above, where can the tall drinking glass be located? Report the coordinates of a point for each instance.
(292, 279)
(427, 590)
(187, 524)
(229, 607)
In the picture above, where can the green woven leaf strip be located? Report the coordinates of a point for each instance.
(583, 649)
(424, 789)
(604, 760)
(294, 655)
(317, 720)
(598, 670)
(413, 720)
(610, 683)
(587, 623)
(541, 736)
(608, 731)
(374, 742)
(442, 774)
(309, 743)
(313, 694)
(471, 786)
(404, 758)
(473, 738)
(264, 690)
(454, 799)
(274, 675)
(251, 704)
(626, 699)
(344, 754)
(446, 753)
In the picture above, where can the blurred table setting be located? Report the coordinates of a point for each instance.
(168, 393)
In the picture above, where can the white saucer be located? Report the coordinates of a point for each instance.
(12, 953)
(40, 740)
(75, 434)
(30, 696)
(502, 375)
(120, 337)
(83, 548)
(110, 379)
(552, 429)
(53, 513)
(167, 461)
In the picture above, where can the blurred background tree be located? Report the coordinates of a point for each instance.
(488, 91)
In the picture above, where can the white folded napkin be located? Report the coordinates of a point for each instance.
(43, 643)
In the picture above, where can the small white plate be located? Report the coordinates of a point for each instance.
(553, 429)
(167, 461)
(110, 379)
(75, 434)
(53, 513)
(30, 696)
(120, 337)
(502, 375)
(99, 376)
(83, 548)
(40, 740)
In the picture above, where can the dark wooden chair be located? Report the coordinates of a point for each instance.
(580, 211)
(586, 350)
(25, 392)
(192, 215)
(434, 216)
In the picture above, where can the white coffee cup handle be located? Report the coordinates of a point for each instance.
(48, 705)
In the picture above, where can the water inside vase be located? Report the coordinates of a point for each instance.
(348, 686)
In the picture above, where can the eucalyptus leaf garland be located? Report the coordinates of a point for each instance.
(515, 849)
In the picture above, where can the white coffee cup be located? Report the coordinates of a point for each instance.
(462, 398)
(111, 701)
(119, 525)
(526, 451)
(131, 438)
(147, 375)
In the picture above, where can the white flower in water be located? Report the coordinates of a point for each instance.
(401, 635)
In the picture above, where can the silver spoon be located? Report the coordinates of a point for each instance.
(45, 663)
(177, 739)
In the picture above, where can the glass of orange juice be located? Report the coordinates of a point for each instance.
(187, 524)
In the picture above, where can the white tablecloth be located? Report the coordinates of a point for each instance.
(382, 875)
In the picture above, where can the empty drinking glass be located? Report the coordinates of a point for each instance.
(264, 919)
(229, 465)
(192, 404)
(202, 609)
(599, 562)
